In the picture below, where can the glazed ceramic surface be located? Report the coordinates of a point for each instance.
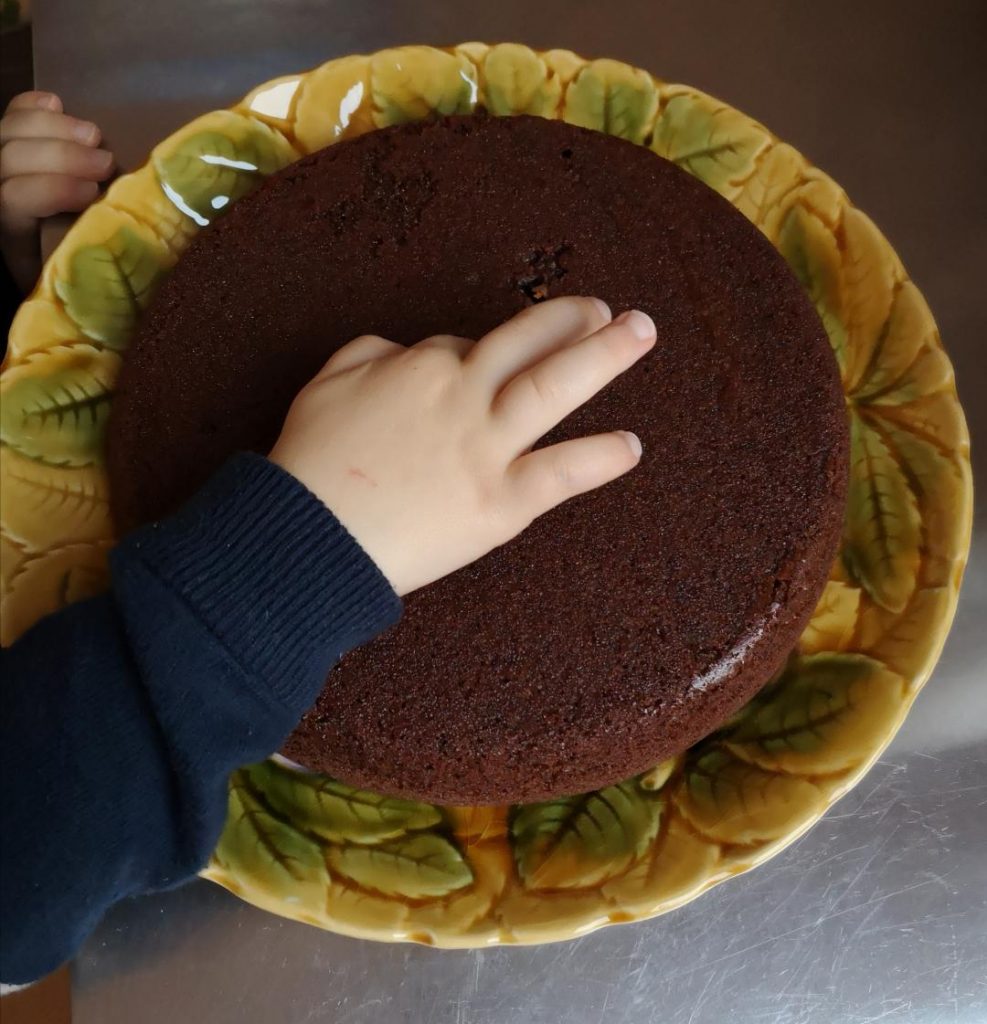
(313, 849)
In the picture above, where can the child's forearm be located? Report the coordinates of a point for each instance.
(123, 716)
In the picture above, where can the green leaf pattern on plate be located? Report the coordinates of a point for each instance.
(108, 285)
(375, 842)
(908, 362)
(821, 716)
(208, 171)
(517, 81)
(56, 403)
(411, 83)
(43, 505)
(730, 800)
(812, 252)
(336, 812)
(834, 619)
(260, 846)
(882, 533)
(48, 581)
(938, 484)
(423, 865)
(763, 196)
(869, 284)
(909, 331)
(612, 97)
(582, 840)
(931, 372)
(710, 141)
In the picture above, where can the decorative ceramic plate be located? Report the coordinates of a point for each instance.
(310, 848)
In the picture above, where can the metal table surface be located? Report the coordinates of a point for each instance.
(880, 912)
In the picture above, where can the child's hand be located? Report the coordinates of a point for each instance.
(423, 453)
(49, 163)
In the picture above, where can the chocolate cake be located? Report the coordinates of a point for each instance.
(627, 623)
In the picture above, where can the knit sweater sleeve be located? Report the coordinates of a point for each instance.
(123, 716)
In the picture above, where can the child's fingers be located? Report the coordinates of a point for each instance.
(54, 156)
(525, 339)
(543, 396)
(448, 343)
(34, 100)
(364, 349)
(545, 478)
(45, 124)
(26, 199)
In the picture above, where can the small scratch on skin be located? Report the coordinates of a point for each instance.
(358, 474)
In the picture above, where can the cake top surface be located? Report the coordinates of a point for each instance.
(618, 628)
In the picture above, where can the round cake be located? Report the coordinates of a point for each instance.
(624, 625)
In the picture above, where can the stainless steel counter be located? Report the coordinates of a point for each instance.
(879, 913)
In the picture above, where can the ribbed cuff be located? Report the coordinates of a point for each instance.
(272, 572)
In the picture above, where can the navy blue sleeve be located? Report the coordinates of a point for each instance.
(123, 716)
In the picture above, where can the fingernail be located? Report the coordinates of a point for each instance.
(103, 159)
(86, 132)
(640, 324)
(48, 101)
(633, 442)
(603, 308)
